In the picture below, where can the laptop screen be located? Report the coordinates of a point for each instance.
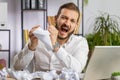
(104, 61)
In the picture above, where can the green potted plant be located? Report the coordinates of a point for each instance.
(85, 2)
(106, 31)
(115, 76)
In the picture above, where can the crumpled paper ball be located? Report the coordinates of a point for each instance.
(19, 75)
(69, 74)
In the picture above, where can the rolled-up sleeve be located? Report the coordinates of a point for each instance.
(23, 59)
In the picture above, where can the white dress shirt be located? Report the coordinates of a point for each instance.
(73, 54)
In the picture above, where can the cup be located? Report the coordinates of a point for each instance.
(115, 77)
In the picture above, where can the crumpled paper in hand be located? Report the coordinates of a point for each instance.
(43, 35)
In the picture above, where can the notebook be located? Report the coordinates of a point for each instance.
(104, 61)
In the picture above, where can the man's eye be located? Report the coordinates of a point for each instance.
(73, 21)
(63, 17)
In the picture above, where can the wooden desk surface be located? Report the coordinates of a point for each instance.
(10, 79)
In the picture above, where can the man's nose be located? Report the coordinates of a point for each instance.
(67, 22)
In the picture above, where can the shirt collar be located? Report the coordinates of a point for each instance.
(69, 40)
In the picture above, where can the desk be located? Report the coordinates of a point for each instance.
(10, 79)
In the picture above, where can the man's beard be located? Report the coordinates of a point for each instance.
(63, 38)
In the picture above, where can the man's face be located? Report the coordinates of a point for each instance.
(66, 23)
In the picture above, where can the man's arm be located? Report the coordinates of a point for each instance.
(76, 60)
(23, 59)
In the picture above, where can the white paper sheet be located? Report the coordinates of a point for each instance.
(43, 35)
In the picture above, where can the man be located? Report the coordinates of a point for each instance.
(69, 51)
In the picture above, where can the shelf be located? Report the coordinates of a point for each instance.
(35, 6)
(5, 42)
(34, 10)
(4, 50)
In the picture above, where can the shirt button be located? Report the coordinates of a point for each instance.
(63, 46)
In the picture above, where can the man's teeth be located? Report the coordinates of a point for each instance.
(65, 30)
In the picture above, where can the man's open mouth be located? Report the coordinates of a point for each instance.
(64, 29)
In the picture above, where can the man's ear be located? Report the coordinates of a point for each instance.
(76, 30)
(77, 23)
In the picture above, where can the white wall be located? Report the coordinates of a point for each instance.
(95, 6)
(18, 35)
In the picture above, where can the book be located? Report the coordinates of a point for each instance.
(26, 3)
(33, 4)
(41, 4)
(26, 37)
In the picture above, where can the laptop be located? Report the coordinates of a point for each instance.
(104, 61)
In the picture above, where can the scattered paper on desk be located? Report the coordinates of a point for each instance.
(66, 74)
(19, 75)
(43, 35)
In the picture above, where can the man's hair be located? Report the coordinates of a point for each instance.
(70, 6)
